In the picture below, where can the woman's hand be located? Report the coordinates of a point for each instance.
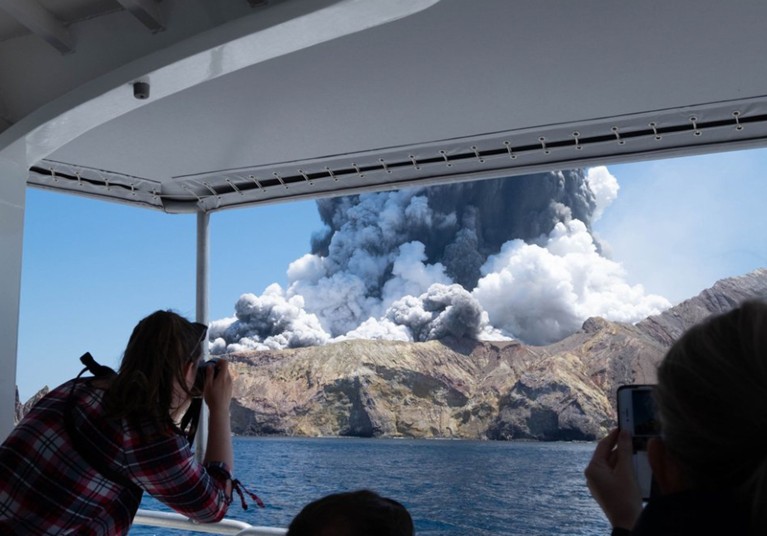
(218, 396)
(610, 477)
(218, 386)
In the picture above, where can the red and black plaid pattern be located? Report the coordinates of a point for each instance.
(46, 487)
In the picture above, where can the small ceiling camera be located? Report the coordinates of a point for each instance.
(141, 90)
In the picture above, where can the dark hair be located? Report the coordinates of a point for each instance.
(354, 513)
(711, 398)
(158, 351)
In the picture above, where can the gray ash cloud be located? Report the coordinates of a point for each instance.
(469, 221)
(486, 259)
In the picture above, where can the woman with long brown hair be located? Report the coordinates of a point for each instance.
(80, 460)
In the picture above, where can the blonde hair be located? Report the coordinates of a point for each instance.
(712, 399)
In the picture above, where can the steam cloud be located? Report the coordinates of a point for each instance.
(506, 258)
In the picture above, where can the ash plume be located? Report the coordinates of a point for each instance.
(505, 258)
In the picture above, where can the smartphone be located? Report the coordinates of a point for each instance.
(637, 415)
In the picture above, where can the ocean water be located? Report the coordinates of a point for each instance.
(451, 488)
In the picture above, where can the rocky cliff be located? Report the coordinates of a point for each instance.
(465, 389)
(723, 296)
(459, 388)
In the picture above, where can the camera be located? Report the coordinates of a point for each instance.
(141, 90)
(202, 370)
(636, 414)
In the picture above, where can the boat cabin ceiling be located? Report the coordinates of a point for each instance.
(195, 105)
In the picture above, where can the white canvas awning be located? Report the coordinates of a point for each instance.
(295, 99)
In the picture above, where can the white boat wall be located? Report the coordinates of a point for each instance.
(195, 106)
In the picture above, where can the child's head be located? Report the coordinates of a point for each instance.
(355, 513)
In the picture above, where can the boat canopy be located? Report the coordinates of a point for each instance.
(194, 106)
(257, 102)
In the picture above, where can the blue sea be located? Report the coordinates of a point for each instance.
(451, 488)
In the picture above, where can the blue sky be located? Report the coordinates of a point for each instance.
(91, 270)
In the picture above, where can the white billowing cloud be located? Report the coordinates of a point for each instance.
(411, 276)
(542, 293)
(488, 332)
(308, 268)
(339, 302)
(378, 329)
(605, 188)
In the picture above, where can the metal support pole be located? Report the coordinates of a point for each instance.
(203, 256)
(13, 181)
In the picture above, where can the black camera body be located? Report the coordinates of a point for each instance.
(202, 371)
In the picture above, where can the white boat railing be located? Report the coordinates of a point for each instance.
(169, 520)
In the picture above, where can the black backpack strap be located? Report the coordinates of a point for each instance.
(191, 419)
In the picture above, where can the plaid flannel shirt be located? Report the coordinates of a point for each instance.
(46, 487)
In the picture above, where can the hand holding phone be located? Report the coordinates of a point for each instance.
(636, 415)
(611, 481)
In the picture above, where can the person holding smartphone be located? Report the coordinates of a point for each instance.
(710, 460)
